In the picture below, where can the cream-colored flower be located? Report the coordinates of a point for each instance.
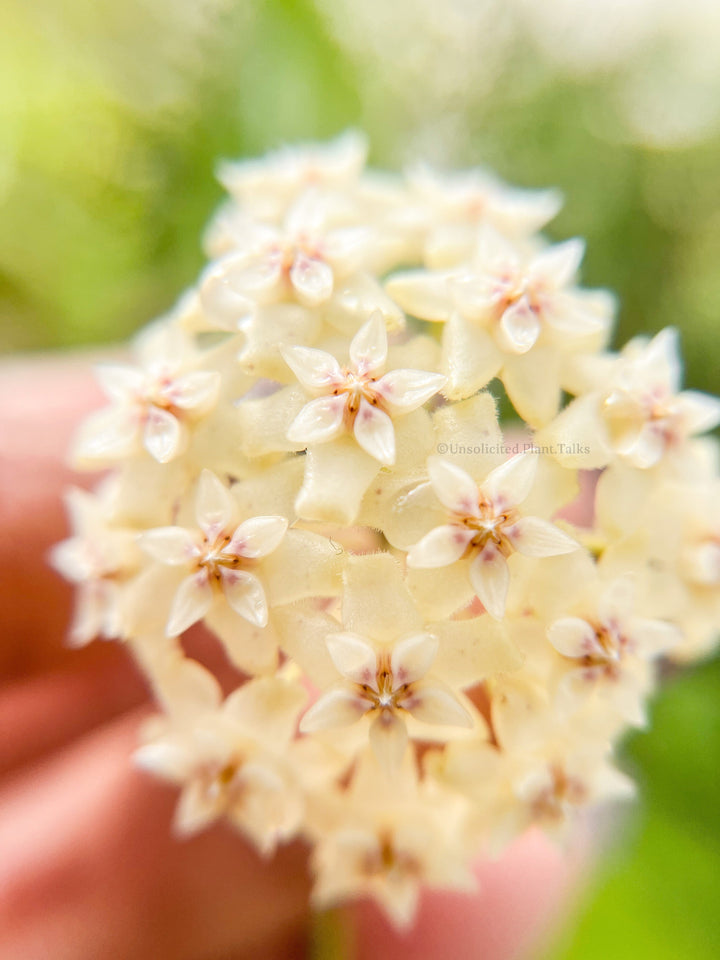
(152, 405)
(100, 559)
(221, 556)
(357, 397)
(509, 315)
(301, 260)
(231, 757)
(644, 412)
(457, 204)
(634, 409)
(416, 706)
(268, 186)
(384, 685)
(484, 522)
(609, 651)
(387, 840)
(674, 545)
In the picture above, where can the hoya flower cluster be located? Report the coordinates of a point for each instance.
(424, 653)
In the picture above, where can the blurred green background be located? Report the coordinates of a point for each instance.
(113, 117)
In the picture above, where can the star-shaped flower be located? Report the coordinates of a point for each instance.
(100, 559)
(232, 757)
(384, 684)
(266, 187)
(484, 521)
(508, 315)
(152, 404)
(608, 650)
(630, 406)
(644, 411)
(357, 397)
(457, 204)
(220, 555)
(300, 260)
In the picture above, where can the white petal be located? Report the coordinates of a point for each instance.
(455, 489)
(354, 657)
(257, 537)
(315, 369)
(519, 327)
(534, 537)
(577, 314)
(388, 739)
(213, 505)
(556, 267)
(245, 594)
(312, 279)
(191, 602)
(231, 287)
(477, 296)
(412, 658)
(653, 638)
(267, 709)
(185, 688)
(368, 349)
(106, 435)
(646, 448)
(611, 783)
(490, 576)
(344, 249)
(533, 784)
(660, 362)
(511, 482)
(196, 809)
(162, 436)
(699, 411)
(617, 602)
(319, 421)
(375, 433)
(422, 294)
(72, 560)
(165, 758)
(173, 545)
(405, 390)
(90, 613)
(433, 704)
(532, 381)
(573, 637)
(336, 708)
(471, 357)
(221, 303)
(196, 391)
(120, 382)
(441, 547)
(337, 474)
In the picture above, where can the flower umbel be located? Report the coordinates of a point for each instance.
(430, 656)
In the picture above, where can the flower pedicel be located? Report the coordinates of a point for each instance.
(305, 457)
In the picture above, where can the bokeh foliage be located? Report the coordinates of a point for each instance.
(112, 118)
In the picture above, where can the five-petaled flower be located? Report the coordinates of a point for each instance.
(384, 684)
(152, 404)
(608, 650)
(357, 397)
(484, 520)
(510, 316)
(300, 260)
(220, 555)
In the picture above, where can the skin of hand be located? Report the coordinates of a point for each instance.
(89, 868)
